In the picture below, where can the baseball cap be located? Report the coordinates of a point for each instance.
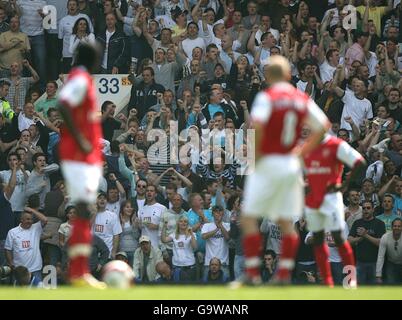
(144, 239)
(122, 253)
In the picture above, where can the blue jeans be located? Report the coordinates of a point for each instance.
(184, 274)
(238, 266)
(393, 273)
(366, 272)
(38, 50)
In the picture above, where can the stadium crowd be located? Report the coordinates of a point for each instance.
(195, 65)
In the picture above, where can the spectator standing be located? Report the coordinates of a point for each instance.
(390, 253)
(365, 236)
(216, 236)
(14, 46)
(22, 243)
(66, 28)
(106, 226)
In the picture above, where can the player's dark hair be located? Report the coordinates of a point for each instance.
(87, 55)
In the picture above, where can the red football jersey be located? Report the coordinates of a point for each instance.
(80, 96)
(283, 109)
(324, 167)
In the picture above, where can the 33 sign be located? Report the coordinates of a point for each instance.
(109, 86)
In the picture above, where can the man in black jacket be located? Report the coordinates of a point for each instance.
(114, 46)
(144, 95)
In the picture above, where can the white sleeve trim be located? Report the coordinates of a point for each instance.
(347, 154)
(73, 93)
(262, 108)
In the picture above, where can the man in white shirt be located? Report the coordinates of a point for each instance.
(66, 29)
(265, 26)
(328, 66)
(17, 200)
(22, 243)
(193, 40)
(216, 235)
(356, 105)
(31, 12)
(150, 216)
(115, 195)
(107, 225)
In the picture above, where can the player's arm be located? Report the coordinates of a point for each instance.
(353, 159)
(71, 96)
(319, 124)
(260, 114)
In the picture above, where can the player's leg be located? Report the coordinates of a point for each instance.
(257, 195)
(82, 182)
(79, 243)
(289, 246)
(344, 248)
(346, 252)
(321, 253)
(252, 247)
(285, 208)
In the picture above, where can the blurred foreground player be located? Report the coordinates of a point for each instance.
(324, 203)
(81, 157)
(275, 189)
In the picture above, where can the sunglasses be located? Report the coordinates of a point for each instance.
(141, 186)
(396, 245)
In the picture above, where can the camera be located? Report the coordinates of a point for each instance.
(4, 271)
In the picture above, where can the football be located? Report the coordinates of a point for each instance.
(117, 274)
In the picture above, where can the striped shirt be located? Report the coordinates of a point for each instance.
(31, 21)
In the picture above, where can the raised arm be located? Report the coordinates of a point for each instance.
(194, 12)
(41, 217)
(9, 188)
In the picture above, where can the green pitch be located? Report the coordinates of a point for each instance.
(204, 293)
